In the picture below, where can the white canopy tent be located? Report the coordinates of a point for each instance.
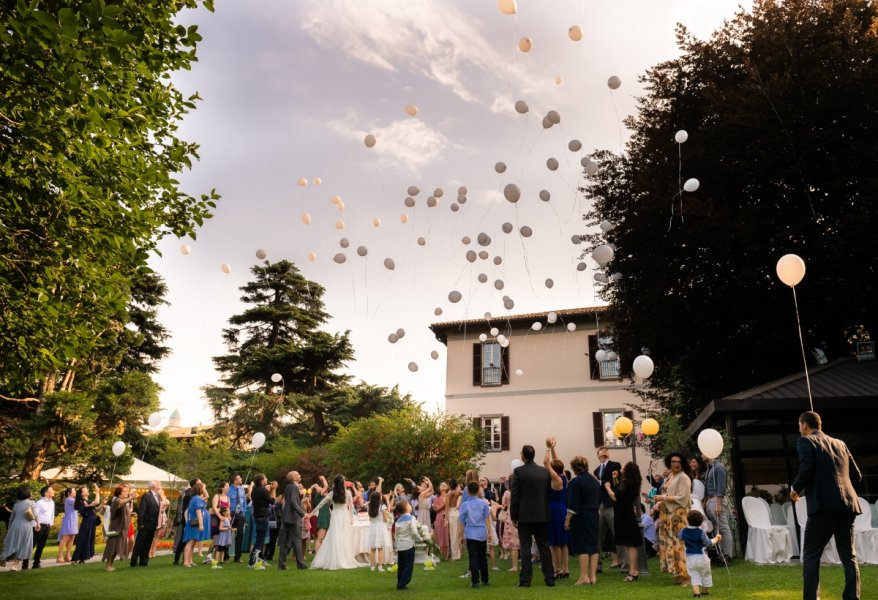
(140, 475)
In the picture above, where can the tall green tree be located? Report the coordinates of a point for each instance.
(782, 119)
(278, 333)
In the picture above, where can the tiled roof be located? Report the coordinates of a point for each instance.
(563, 312)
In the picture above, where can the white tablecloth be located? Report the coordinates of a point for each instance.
(361, 545)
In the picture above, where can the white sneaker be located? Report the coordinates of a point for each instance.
(372, 568)
(380, 569)
(465, 575)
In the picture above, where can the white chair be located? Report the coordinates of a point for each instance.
(830, 553)
(875, 515)
(791, 527)
(766, 543)
(778, 516)
(866, 536)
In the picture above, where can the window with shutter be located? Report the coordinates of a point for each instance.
(477, 364)
(607, 420)
(504, 433)
(597, 421)
(495, 432)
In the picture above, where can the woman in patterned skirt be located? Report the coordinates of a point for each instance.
(674, 501)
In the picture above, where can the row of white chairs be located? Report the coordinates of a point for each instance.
(772, 538)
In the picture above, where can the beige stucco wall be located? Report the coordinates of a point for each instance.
(554, 396)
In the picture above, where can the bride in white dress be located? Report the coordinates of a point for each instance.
(337, 550)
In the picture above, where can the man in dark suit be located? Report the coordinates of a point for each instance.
(606, 529)
(291, 523)
(827, 475)
(148, 509)
(530, 513)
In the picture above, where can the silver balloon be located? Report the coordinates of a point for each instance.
(545, 195)
(483, 337)
(344, 242)
(471, 255)
(536, 326)
(508, 304)
(500, 167)
(466, 240)
(574, 145)
(482, 278)
(432, 202)
(410, 202)
(581, 267)
(507, 227)
(261, 254)
(591, 169)
(483, 254)
(498, 260)
(339, 258)
(552, 317)
(461, 199)
(438, 192)
(614, 82)
(495, 332)
(487, 316)
(434, 355)
(552, 164)
(413, 190)
(553, 117)
(512, 192)
(413, 366)
(392, 338)
(362, 251)
(483, 239)
(498, 284)
(422, 241)
(454, 207)
(547, 124)
(369, 140)
(461, 191)
(454, 297)
(389, 264)
(606, 226)
(584, 161)
(437, 311)
(575, 238)
(550, 284)
(521, 107)
(526, 231)
(400, 333)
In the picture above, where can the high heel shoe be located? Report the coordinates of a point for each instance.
(631, 578)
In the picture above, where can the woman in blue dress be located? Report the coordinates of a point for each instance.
(583, 500)
(559, 537)
(197, 522)
(69, 526)
(85, 538)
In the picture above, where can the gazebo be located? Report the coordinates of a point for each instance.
(139, 477)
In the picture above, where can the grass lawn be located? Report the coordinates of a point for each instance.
(162, 580)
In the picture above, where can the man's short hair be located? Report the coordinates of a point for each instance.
(192, 482)
(694, 518)
(43, 490)
(811, 419)
(258, 479)
(602, 448)
(528, 452)
(473, 488)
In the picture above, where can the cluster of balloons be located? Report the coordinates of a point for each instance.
(303, 181)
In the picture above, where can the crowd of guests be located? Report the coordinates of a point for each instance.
(539, 513)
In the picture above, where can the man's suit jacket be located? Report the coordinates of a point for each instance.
(607, 476)
(529, 493)
(292, 510)
(827, 474)
(147, 510)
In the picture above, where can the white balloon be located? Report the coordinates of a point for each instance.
(226, 268)
(790, 269)
(500, 167)
(261, 254)
(612, 356)
(495, 332)
(606, 226)
(643, 366)
(600, 355)
(507, 7)
(521, 107)
(454, 297)
(552, 164)
(559, 80)
(519, 372)
(403, 218)
(505, 343)
(552, 317)
(691, 185)
(512, 192)
(118, 448)
(369, 140)
(536, 326)
(154, 419)
(389, 264)
(681, 136)
(614, 82)
(710, 442)
(571, 327)
(483, 337)
(258, 440)
(516, 462)
(500, 338)
(316, 181)
(603, 254)
(339, 224)
(336, 200)
(185, 249)
(312, 256)
(277, 377)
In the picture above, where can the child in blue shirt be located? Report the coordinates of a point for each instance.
(697, 563)
(406, 536)
(475, 514)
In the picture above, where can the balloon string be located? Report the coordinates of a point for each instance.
(618, 121)
(250, 468)
(802, 346)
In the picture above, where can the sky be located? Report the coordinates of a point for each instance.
(290, 91)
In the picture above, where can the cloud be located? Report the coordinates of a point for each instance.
(409, 143)
(397, 36)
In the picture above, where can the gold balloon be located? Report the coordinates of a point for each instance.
(312, 256)
(225, 268)
(403, 218)
(340, 206)
(624, 426)
(302, 182)
(335, 199)
(306, 218)
(316, 181)
(559, 80)
(649, 427)
(376, 222)
(507, 7)
(411, 110)
(369, 141)
(525, 44)
(575, 33)
(339, 224)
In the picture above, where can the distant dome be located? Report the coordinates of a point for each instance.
(174, 419)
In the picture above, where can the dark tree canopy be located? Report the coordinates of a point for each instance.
(782, 116)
